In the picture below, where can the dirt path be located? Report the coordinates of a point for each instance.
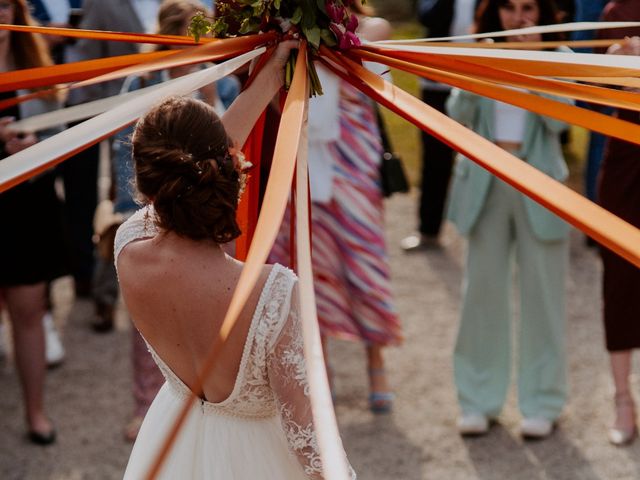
(90, 399)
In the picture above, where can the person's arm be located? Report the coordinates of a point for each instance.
(462, 106)
(288, 378)
(243, 113)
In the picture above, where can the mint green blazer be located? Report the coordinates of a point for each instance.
(540, 147)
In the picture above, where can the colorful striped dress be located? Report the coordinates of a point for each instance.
(350, 264)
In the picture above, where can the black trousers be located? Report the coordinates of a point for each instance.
(437, 164)
(80, 177)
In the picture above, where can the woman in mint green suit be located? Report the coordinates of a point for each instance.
(501, 225)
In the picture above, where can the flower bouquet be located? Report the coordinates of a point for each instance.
(328, 22)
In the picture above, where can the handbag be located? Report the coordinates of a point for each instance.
(393, 178)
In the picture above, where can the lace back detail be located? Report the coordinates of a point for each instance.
(138, 226)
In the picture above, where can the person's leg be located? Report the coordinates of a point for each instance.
(482, 357)
(380, 397)
(147, 380)
(80, 175)
(26, 306)
(437, 164)
(542, 381)
(624, 428)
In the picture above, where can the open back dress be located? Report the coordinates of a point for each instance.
(264, 429)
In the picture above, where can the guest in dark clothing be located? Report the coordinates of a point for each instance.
(441, 18)
(31, 244)
(80, 172)
(619, 192)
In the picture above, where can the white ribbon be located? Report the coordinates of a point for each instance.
(541, 29)
(618, 61)
(46, 152)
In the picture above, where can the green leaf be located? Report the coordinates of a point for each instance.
(297, 16)
(249, 25)
(312, 35)
(328, 37)
(276, 4)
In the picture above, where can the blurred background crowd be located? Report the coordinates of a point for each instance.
(62, 223)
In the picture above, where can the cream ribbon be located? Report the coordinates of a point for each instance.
(53, 150)
(541, 29)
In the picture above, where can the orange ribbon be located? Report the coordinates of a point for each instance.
(105, 35)
(590, 119)
(601, 225)
(588, 93)
(274, 205)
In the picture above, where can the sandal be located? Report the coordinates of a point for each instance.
(380, 402)
(626, 435)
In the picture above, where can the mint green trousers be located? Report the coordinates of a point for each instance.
(485, 352)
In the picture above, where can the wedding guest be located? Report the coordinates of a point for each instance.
(80, 173)
(442, 18)
(350, 263)
(253, 419)
(619, 192)
(500, 223)
(30, 212)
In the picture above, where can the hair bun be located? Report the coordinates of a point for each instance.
(194, 195)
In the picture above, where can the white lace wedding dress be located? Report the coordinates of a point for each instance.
(264, 429)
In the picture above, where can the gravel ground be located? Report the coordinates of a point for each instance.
(89, 397)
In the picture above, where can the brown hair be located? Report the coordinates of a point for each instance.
(183, 165)
(488, 18)
(28, 49)
(358, 7)
(174, 15)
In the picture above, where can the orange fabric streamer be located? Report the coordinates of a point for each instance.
(106, 35)
(571, 114)
(274, 205)
(248, 207)
(221, 50)
(587, 93)
(72, 72)
(601, 225)
(527, 67)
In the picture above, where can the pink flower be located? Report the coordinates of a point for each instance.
(352, 23)
(335, 12)
(348, 40)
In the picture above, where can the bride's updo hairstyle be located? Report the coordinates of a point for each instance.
(184, 166)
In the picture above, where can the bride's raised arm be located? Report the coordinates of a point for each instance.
(243, 113)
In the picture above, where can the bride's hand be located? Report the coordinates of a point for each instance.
(276, 64)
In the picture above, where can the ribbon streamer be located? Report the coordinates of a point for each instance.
(544, 106)
(151, 38)
(540, 29)
(331, 451)
(47, 153)
(274, 204)
(604, 227)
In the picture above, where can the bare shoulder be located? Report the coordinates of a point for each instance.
(375, 29)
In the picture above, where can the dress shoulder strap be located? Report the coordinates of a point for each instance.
(139, 225)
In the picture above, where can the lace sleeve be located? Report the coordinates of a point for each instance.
(288, 378)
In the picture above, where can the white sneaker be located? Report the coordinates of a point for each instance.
(54, 351)
(470, 424)
(536, 428)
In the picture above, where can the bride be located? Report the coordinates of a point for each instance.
(253, 420)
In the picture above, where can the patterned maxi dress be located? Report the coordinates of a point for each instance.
(350, 264)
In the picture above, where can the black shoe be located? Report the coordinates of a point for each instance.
(43, 439)
(104, 321)
(83, 288)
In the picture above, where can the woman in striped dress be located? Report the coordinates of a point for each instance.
(350, 264)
